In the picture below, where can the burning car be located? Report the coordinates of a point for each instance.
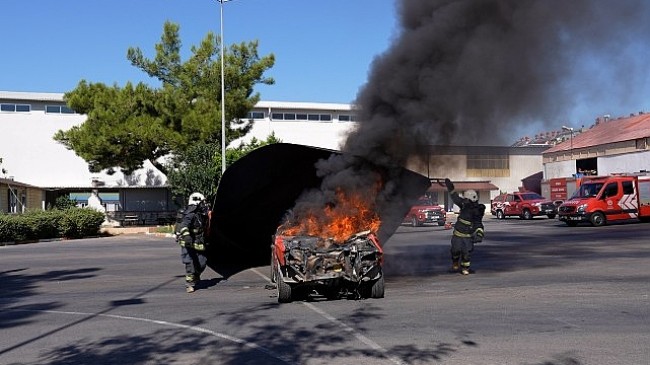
(330, 244)
(303, 263)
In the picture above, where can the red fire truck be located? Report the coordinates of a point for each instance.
(602, 199)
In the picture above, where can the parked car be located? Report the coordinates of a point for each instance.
(300, 264)
(425, 211)
(524, 205)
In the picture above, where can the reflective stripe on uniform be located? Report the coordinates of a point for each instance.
(464, 222)
(463, 235)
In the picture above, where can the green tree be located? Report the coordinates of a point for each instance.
(198, 168)
(128, 125)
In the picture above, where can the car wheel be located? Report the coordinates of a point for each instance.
(550, 216)
(284, 291)
(441, 223)
(571, 223)
(377, 290)
(598, 219)
(500, 214)
(414, 222)
(527, 215)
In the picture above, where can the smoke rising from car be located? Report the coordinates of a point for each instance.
(471, 72)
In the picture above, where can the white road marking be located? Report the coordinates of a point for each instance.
(172, 324)
(372, 344)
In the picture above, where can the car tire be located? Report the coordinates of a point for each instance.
(500, 215)
(377, 289)
(550, 216)
(527, 214)
(598, 219)
(284, 291)
(441, 223)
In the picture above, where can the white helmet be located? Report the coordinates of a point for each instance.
(471, 195)
(195, 199)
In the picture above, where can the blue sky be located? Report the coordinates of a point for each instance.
(323, 49)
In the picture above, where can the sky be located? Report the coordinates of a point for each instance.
(323, 49)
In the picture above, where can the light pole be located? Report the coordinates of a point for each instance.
(568, 129)
(223, 95)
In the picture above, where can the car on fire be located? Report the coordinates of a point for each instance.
(524, 205)
(301, 264)
(425, 211)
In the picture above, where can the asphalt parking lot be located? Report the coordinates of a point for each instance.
(542, 294)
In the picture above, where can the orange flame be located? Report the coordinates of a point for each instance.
(350, 214)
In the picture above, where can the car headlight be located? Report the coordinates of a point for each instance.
(581, 208)
(537, 204)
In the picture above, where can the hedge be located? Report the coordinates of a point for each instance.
(44, 224)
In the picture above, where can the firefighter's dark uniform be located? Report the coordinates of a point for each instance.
(467, 230)
(190, 235)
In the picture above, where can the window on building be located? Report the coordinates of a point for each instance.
(289, 116)
(58, 109)
(347, 118)
(256, 115)
(301, 116)
(18, 108)
(277, 116)
(326, 117)
(489, 165)
(313, 117)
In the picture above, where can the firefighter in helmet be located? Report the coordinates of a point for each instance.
(468, 229)
(190, 235)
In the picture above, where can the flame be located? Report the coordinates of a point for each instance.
(349, 214)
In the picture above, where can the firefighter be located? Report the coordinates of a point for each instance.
(468, 229)
(190, 235)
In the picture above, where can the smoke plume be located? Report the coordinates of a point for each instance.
(472, 72)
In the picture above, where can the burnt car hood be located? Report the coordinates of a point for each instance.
(257, 190)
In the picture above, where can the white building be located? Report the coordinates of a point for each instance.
(28, 121)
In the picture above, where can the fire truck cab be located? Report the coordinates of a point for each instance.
(602, 199)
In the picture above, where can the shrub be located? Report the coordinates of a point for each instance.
(80, 222)
(69, 223)
(44, 224)
(12, 228)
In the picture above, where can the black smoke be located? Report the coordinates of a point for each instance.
(473, 72)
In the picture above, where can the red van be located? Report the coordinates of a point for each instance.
(602, 199)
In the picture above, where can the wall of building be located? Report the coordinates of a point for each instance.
(630, 162)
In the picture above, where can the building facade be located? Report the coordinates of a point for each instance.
(28, 121)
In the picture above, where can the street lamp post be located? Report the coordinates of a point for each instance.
(569, 129)
(223, 96)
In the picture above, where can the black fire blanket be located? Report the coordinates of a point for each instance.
(256, 192)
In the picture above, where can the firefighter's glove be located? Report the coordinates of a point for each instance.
(187, 240)
(449, 184)
(478, 235)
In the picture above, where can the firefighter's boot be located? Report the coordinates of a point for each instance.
(454, 266)
(464, 268)
(190, 283)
